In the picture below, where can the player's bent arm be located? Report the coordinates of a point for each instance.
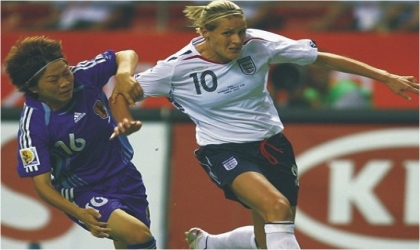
(127, 61)
(45, 190)
(122, 114)
(120, 108)
(398, 84)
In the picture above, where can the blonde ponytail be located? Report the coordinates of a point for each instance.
(206, 16)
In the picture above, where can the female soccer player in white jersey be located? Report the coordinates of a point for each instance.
(219, 80)
(74, 169)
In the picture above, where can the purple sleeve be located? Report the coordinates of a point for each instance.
(33, 144)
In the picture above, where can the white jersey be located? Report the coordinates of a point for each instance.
(229, 103)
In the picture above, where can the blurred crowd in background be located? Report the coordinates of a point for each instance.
(291, 85)
(363, 16)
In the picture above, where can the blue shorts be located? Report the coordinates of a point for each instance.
(273, 158)
(124, 191)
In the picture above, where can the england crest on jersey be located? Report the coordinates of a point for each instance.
(247, 65)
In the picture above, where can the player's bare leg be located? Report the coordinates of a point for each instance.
(259, 229)
(119, 245)
(128, 231)
(272, 209)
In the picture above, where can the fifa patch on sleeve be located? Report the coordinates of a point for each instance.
(30, 159)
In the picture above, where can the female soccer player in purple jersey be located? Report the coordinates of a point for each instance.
(64, 143)
(219, 79)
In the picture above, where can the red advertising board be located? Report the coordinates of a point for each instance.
(359, 187)
(392, 52)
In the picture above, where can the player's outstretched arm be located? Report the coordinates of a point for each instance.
(400, 85)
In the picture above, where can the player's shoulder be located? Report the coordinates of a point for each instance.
(106, 57)
(262, 36)
(178, 57)
(34, 112)
(32, 103)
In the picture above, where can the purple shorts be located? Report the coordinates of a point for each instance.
(124, 191)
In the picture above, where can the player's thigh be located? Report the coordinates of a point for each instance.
(127, 228)
(253, 189)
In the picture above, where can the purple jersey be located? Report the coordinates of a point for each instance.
(73, 143)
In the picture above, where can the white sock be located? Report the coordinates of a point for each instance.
(239, 238)
(281, 235)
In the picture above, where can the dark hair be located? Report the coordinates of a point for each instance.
(29, 55)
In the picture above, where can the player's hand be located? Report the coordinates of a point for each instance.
(90, 218)
(126, 127)
(128, 87)
(400, 85)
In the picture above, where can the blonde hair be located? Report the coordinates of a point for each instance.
(207, 16)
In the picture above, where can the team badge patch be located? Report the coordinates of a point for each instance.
(30, 159)
(100, 109)
(230, 163)
(247, 65)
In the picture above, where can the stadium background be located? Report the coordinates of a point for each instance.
(358, 169)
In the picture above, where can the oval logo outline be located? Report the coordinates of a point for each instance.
(378, 139)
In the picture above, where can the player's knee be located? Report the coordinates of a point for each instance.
(149, 244)
(135, 237)
(276, 208)
(281, 205)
